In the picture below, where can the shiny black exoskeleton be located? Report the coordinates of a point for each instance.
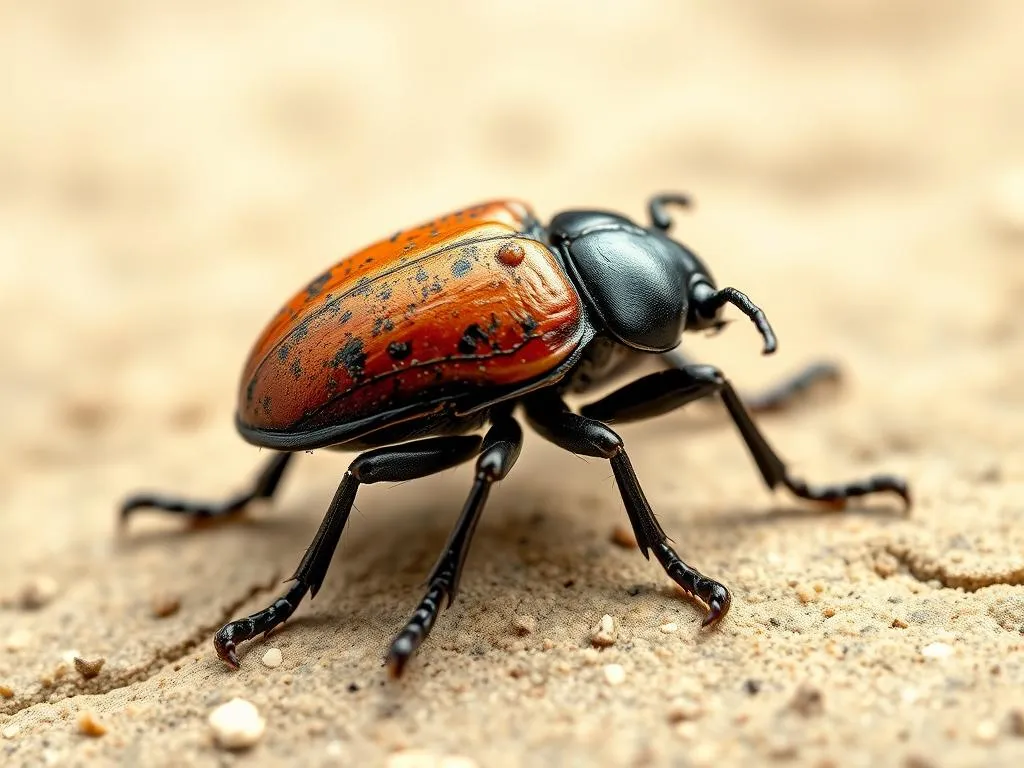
(641, 290)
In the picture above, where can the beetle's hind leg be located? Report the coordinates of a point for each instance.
(783, 394)
(500, 450)
(551, 417)
(408, 461)
(267, 482)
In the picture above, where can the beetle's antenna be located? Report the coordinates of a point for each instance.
(656, 208)
(709, 306)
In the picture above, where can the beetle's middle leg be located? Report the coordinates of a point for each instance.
(267, 481)
(408, 461)
(780, 395)
(659, 393)
(501, 447)
(551, 417)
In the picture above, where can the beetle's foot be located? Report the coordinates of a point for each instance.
(837, 495)
(197, 511)
(417, 628)
(226, 641)
(710, 592)
(791, 390)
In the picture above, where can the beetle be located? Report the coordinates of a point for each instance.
(408, 349)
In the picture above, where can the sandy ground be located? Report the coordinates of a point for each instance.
(169, 173)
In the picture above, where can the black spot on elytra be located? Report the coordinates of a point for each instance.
(351, 357)
(266, 404)
(296, 369)
(472, 336)
(345, 317)
(422, 276)
(528, 324)
(399, 350)
(249, 389)
(495, 324)
(362, 287)
(282, 352)
(385, 294)
(395, 236)
(314, 288)
(301, 330)
(461, 267)
(380, 325)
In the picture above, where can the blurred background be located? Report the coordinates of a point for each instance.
(171, 172)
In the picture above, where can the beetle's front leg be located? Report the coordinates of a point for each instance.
(659, 393)
(782, 394)
(551, 417)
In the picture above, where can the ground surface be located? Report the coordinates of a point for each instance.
(170, 172)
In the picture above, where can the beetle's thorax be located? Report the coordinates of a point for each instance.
(636, 281)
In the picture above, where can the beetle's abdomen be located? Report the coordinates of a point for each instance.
(447, 309)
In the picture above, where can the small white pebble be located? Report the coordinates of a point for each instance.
(669, 628)
(237, 724)
(18, 640)
(986, 732)
(937, 651)
(335, 748)
(605, 633)
(614, 674)
(11, 731)
(272, 658)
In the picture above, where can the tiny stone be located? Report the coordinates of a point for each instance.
(886, 565)
(614, 674)
(272, 658)
(237, 724)
(335, 748)
(89, 669)
(623, 537)
(1015, 720)
(806, 594)
(18, 640)
(11, 731)
(937, 651)
(165, 605)
(828, 612)
(90, 725)
(606, 633)
(807, 701)
(6, 692)
(524, 625)
(986, 732)
(899, 623)
(669, 628)
(38, 592)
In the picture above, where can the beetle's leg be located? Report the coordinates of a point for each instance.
(266, 484)
(780, 395)
(658, 393)
(551, 417)
(408, 461)
(500, 451)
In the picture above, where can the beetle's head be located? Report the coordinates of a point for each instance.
(645, 287)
